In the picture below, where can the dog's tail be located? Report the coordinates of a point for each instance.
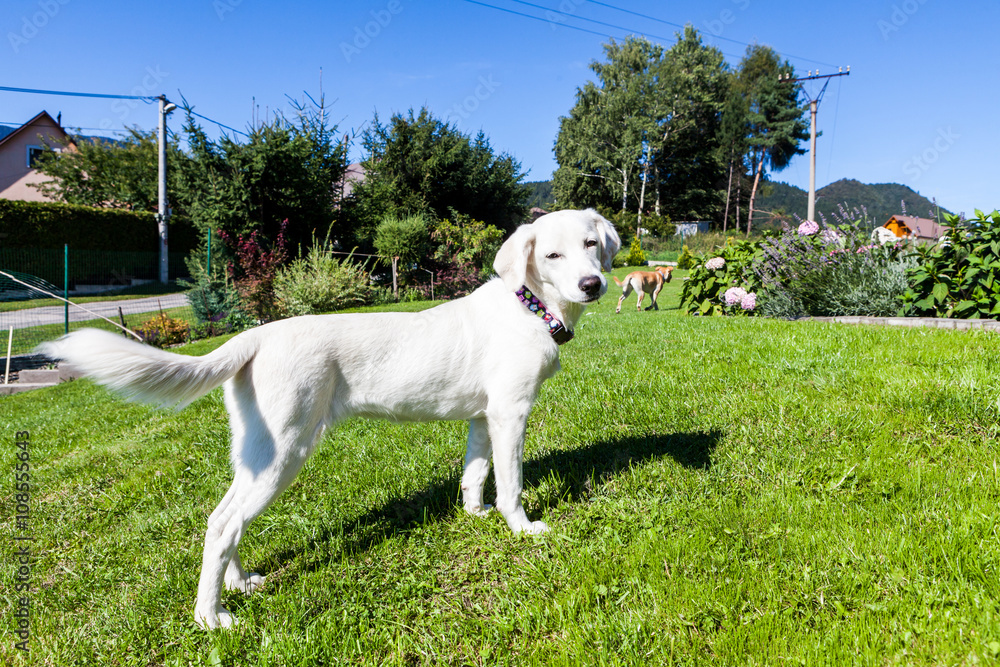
(620, 283)
(146, 374)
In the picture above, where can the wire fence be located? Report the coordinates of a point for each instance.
(46, 293)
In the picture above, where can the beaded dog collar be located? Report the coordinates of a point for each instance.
(559, 332)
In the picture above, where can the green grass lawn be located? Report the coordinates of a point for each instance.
(725, 491)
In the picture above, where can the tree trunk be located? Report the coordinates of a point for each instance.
(624, 189)
(729, 189)
(739, 191)
(753, 192)
(656, 180)
(642, 192)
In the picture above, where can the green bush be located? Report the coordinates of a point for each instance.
(705, 287)
(868, 283)
(636, 257)
(687, 260)
(659, 225)
(959, 276)
(53, 225)
(320, 283)
(407, 238)
(163, 331)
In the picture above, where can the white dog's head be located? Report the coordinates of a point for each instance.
(562, 252)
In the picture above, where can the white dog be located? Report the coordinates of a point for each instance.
(482, 358)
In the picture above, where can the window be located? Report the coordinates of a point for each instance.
(34, 152)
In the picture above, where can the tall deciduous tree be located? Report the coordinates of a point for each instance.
(645, 131)
(109, 173)
(775, 120)
(692, 83)
(600, 146)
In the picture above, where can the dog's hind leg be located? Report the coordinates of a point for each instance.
(268, 452)
(248, 497)
(625, 292)
(477, 467)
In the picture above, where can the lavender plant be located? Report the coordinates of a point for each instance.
(832, 271)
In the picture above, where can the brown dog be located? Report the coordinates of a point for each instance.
(644, 282)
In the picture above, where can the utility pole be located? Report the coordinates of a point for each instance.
(813, 108)
(163, 212)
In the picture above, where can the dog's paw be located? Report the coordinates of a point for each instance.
(533, 528)
(246, 585)
(216, 619)
(479, 510)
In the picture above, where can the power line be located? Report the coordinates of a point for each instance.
(231, 129)
(617, 27)
(149, 99)
(538, 18)
(582, 18)
(145, 98)
(677, 25)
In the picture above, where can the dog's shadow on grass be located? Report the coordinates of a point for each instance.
(576, 472)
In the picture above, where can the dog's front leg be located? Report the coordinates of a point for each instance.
(477, 467)
(507, 434)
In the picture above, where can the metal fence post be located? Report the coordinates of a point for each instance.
(66, 287)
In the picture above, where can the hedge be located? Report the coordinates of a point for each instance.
(51, 225)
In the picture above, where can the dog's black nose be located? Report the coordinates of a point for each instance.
(590, 285)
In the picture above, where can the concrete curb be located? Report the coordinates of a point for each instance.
(928, 322)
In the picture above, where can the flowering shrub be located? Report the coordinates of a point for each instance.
(835, 272)
(463, 259)
(706, 287)
(161, 331)
(808, 228)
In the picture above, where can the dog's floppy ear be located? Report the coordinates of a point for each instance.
(610, 242)
(511, 262)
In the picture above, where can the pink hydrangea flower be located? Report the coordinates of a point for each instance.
(808, 228)
(734, 295)
(715, 263)
(749, 302)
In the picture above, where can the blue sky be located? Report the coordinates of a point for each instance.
(920, 107)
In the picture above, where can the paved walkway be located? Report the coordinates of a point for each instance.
(33, 317)
(932, 322)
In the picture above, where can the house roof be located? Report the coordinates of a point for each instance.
(922, 228)
(42, 115)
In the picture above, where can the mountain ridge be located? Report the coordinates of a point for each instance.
(875, 202)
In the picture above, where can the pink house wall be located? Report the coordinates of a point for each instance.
(15, 174)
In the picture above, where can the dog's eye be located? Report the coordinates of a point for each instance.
(553, 255)
(591, 243)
